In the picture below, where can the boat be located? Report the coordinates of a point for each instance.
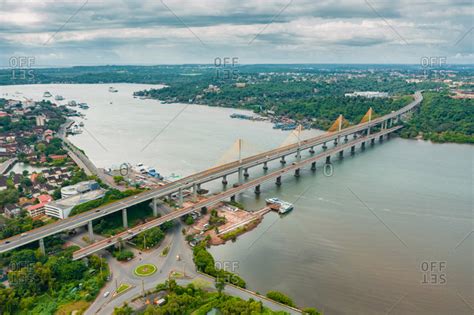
(81, 124)
(47, 94)
(113, 90)
(59, 98)
(83, 105)
(72, 103)
(280, 205)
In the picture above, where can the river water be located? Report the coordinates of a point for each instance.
(384, 231)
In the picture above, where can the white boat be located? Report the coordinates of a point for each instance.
(83, 105)
(47, 94)
(283, 206)
(81, 124)
(59, 98)
(113, 90)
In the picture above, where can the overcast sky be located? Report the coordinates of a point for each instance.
(98, 32)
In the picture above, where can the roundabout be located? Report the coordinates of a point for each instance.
(145, 270)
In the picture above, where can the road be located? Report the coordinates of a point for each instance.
(200, 177)
(123, 273)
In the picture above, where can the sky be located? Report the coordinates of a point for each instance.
(152, 32)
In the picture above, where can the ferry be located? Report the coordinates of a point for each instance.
(283, 206)
(47, 94)
(113, 90)
(59, 98)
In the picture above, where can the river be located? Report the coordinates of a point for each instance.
(387, 231)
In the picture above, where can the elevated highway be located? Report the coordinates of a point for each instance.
(208, 175)
(275, 175)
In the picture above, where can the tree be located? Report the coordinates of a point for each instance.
(220, 285)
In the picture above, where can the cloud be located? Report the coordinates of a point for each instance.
(263, 31)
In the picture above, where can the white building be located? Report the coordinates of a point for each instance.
(368, 94)
(62, 208)
(79, 188)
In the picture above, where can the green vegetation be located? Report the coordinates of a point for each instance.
(123, 255)
(109, 197)
(215, 220)
(123, 287)
(205, 263)
(18, 225)
(442, 119)
(232, 235)
(41, 284)
(280, 297)
(194, 300)
(149, 239)
(145, 270)
(165, 251)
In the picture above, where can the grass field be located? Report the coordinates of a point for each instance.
(122, 288)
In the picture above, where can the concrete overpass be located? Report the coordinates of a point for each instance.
(241, 167)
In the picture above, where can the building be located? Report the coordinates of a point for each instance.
(11, 210)
(38, 209)
(79, 188)
(368, 94)
(62, 208)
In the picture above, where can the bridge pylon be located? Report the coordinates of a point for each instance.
(368, 116)
(338, 124)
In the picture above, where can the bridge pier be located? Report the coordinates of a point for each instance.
(90, 230)
(224, 180)
(335, 142)
(282, 161)
(362, 145)
(368, 131)
(372, 141)
(353, 148)
(246, 173)
(311, 150)
(278, 181)
(265, 166)
(381, 138)
(354, 136)
(257, 190)
(232, 198)
(124, 218)
(297, 172)
(298, 154)
(313, 166)
(195, 192)
(41, 246)
(154, 202)
(240, 174)
(325, 146)
(341, 154)
(180, 197)
(346, 139)
(328, 159)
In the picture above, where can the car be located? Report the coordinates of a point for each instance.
(23, 234)
(135, 197)
(7, 242)
(106, 294)
(130, 231)
(109, 241)
(294, 163)
(97, 210)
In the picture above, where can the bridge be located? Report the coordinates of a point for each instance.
(360, 133)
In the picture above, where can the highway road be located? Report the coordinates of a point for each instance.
(197, 178)
(132, 232)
